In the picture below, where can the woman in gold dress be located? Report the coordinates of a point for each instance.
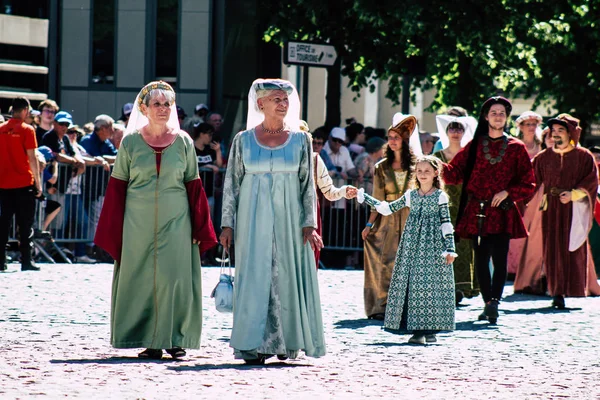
(382, 234)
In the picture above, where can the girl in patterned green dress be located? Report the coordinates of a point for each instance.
(421, 297)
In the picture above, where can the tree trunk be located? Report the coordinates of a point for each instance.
(333, 114)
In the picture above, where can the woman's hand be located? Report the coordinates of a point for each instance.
(365, 232)
(194, 241)
(226, 238)
(312, 237)
(351, 192)
(499, 198)
(450, 259)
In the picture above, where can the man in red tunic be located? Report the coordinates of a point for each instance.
(495, 171)
(570, 178)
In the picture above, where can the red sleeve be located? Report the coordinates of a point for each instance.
(109, 233)
(30, 141)
(202, 226)
(454, 171)
(597, 211)
(522, 186)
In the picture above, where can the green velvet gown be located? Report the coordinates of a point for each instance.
(157, 291)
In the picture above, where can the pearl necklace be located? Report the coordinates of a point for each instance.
(272, 132)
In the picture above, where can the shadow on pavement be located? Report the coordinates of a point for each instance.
(240, 365)
(475, 326)
(356, 323)
(545, 310)
(403, 343)
(115, 360)
(516, 297)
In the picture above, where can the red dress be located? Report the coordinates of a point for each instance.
(513, 173)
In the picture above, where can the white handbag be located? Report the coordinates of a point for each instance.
(223, 292)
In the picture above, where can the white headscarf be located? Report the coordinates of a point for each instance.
(137, 120)
(256, 116)
(442, 122)
(414, 141)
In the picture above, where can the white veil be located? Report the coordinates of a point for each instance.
(442, 122)
(137, 120)
(256, 117)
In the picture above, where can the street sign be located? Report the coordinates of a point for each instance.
(309, 54)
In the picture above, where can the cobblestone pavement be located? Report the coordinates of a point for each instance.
(54, 342)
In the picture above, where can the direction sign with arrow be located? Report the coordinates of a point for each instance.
(309, 54)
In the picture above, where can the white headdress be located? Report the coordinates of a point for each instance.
(527, 115)
(137, 120)
(442, 122)
(255, 115)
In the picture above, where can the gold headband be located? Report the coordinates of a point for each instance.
(150, 87)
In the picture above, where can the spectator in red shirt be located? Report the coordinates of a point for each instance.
(19, 181)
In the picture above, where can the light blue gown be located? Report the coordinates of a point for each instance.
(268, 198)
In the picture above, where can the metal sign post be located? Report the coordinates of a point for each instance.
(308, 55)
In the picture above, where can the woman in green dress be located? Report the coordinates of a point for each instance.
(452, 133)
(154, 215)
(269, 204)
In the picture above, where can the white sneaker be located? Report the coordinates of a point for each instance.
(86, 260)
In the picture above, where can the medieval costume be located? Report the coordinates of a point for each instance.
(421, 293)
(382, 242)
(268, 197)
(566, 227)
(487, 166)
(324, 190)
(465, 277)
(517, 246)
(155, 205)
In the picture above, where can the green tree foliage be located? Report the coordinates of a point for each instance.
(467, 50)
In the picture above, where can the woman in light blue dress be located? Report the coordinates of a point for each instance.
(269, 205)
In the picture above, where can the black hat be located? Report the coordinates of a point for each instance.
(181, 112)
(496, 100)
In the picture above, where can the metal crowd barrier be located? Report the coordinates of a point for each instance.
(81, 198)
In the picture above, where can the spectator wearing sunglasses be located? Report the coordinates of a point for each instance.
(339, 154)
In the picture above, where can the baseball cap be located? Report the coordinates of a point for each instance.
(338, 133)
(181, 112)
(64, 116)
(47, 152)
(201, 107)
(127, 108)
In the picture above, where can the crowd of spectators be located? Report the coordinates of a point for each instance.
(75, 163)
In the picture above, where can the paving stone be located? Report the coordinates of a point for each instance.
(54, 342)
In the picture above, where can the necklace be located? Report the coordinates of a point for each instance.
(486, 150)
(272, 132)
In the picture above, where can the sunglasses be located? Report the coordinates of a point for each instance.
(336, 140)
(65, 124)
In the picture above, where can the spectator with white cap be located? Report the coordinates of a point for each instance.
(127, 107)
(339, 154)
(200, 112)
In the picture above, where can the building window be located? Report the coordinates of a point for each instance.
(25, 8)
(167, 40)
(103, 42)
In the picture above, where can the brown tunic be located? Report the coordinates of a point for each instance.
(567, 272)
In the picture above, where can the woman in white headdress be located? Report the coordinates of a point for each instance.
(530, 132)
(455, 133)
(269, 205)
(154, 215)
